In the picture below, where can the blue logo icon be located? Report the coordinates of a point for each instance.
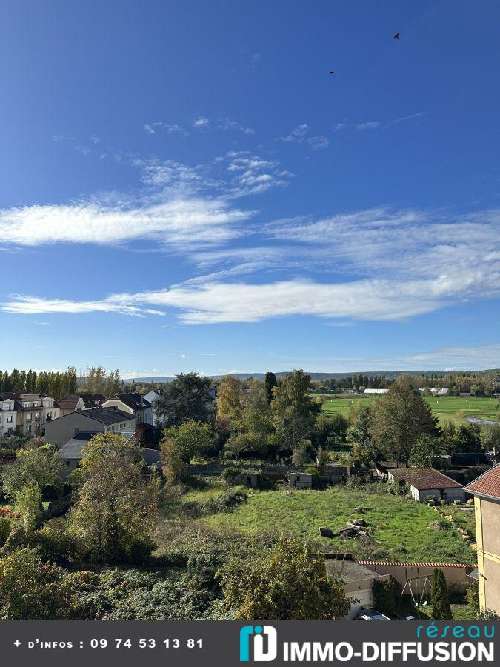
(258, 643)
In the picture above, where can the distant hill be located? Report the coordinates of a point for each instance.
(314, 376)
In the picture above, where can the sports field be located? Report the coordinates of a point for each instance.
(447, 408)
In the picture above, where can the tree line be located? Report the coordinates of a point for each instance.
(58, 384)
(49, 383)
(481, 383)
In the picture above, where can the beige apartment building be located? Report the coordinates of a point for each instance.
(33, 411)
(486, 492)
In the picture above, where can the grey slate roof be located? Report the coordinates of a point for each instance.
(106, 416)
(134, 401)
(73, 451)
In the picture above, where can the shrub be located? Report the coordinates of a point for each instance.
(231, 474)
(226, 502)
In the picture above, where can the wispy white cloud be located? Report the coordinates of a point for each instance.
(480, 357)
(217, 302)
(228, 124)
(403, 119)
(183, 206)
(169, 128)
(201, 121)
(319, 142)
(251, 174)
(368, 125)
(177, 222)
(298, 134)
(376, 124)
(388, 263)
(401, 243)
(28, 305)
(222, 123)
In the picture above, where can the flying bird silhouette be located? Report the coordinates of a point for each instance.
(332, 72)
(396, 35)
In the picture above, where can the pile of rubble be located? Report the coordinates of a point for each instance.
(355, 529)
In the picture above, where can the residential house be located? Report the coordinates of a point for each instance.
(92, 400)
(70, 404)
(439, 391)
(486, 492)
(427, 484)
(33, 412)
(72, 452)
(358, 581)
(8, 415)
(91, 420)
(134, 404)
(152, 398)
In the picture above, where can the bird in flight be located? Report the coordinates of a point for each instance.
(396, 35)
(332, 72)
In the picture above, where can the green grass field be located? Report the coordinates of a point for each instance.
(400, 529)
(446, 408)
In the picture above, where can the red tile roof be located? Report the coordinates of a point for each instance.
(68, 402)
(487, 484)
(412, 564)
(424, 478)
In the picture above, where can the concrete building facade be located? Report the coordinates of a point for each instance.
(486, 492)
(92, 420)
(8, 415)
(33, 412)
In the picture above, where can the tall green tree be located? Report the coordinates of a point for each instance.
(425, 451)
(100, 381)
(490, 438)
(287, 582)
(28, 506)
(187, 397)
(468, 438)
(294, 411)
(254, 429)
(270, 382)
(116, 510)
(399, 418)
(229, 403)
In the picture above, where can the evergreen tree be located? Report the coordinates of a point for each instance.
(270, 382)
(441, 609)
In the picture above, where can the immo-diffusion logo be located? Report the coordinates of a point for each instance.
(258, 643)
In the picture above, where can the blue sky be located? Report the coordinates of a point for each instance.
(184, 186)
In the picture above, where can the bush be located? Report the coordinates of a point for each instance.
(54, 542)
(231, 474)
(226, 502)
